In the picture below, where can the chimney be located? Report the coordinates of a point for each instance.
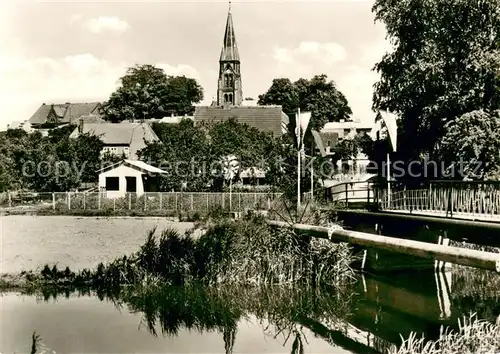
(80, 126)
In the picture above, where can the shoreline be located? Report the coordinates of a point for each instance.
(119, 214)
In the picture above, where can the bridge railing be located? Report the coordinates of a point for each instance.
(353, 193)
(450, 197)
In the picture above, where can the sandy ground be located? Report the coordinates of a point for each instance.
(29, 242)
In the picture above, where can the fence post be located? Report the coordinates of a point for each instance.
(255, 202)
(223, 200)
(145, 201)
(114, 204)
(84, 194)
(239, 202)
(69, 200)
(129, 200)
(53, 201)
(99, 200)
(192, 206)
(346, 196)
(161, 201)
(268, 203)
(10, 199)
(208, 208)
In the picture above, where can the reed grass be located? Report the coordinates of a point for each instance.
(246, 251)
(474, 336)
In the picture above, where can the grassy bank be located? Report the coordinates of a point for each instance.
(236, 252)
(183, 216)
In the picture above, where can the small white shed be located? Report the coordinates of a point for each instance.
(129, 176)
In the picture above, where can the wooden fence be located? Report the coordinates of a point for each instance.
(158, 201)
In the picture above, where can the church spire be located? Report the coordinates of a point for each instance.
(229, 92)
(229, 48)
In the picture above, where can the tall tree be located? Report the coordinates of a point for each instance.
(475, 137)
(194, 155)
(445, 63)
(317, 95)
(147, 92)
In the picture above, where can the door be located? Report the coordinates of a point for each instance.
(131, 183)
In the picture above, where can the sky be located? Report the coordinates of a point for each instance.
(57, 52)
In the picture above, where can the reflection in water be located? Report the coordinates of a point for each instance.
(365, 317)
(281, 311)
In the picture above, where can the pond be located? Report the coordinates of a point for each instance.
(366, 316)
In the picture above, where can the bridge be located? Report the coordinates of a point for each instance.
(472, 200)
(403, 227)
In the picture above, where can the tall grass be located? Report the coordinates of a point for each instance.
(246, 251)
(474, 336)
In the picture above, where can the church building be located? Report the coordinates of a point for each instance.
(230, 102)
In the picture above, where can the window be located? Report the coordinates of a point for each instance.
(112, 183)
(131, 184)
(225, 98)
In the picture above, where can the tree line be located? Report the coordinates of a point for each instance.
(442, 79)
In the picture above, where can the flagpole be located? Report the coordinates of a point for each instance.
(299, 141)
(388, 181)
(312, 172)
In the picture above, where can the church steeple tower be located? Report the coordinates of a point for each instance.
(229, 91)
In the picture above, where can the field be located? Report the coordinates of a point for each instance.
(28, 242)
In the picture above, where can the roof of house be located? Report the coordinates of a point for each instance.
(265, 118)
(321, 137)
(348, 125)
(135, 164)
(92, 118)
(253, 173)
(132, 134)
(65, 113)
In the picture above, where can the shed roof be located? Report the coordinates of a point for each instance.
(135, 164)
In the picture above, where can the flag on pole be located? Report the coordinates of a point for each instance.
(392, 127)
(302, 121)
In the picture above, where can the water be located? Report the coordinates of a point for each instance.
(365, 317)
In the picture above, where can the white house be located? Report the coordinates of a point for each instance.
(119, 138)
(129, 176)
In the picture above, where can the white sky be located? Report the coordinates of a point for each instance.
(56, 52)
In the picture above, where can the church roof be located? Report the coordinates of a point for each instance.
(265, 118)
(229, 48)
